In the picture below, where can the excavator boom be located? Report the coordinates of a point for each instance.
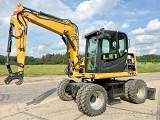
(63, 27)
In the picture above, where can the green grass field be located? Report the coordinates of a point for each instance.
(59, 69)
(37, 69)
(149, 68)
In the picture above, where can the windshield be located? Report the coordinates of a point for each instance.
(113, 46)
(92, 53)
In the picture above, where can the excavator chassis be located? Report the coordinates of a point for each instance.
(88, 94)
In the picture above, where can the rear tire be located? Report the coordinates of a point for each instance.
(92, 100)
(138, 91)
(61, 91)
(126, 91)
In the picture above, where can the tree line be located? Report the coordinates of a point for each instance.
(45, 59)
(149, 58)
(53, 59)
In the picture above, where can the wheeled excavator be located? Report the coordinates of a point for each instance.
(106, 60)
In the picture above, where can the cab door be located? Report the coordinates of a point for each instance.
(113, 52)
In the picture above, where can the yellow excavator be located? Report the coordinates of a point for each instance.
(106, 59)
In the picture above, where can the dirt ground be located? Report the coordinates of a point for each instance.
(44, 107)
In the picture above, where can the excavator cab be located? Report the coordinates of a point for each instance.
(106, 51)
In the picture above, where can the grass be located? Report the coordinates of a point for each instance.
(149, 68)
(59, 69)
(37, 69)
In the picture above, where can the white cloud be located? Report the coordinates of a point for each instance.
(137, 12)
(89, 8)
(133, 50)
(61, 44)
(111, 25)
(5, 20)
(125, 26)
(41, 47)
(96, 25)
(108, 25)
(138, 31)
(143, 49)
(37, 51)
(147, 39)
(153, 27)
(152, 51)
(13, 53)
(51, 48)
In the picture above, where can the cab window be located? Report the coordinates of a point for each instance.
(122, 44)
(105, 46)
(109, 47)
(92, 45)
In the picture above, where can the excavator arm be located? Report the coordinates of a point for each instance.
(63, 27)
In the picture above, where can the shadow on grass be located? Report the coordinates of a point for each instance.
(42, 97)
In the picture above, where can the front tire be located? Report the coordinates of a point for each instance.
(61, 91)
(93, 100)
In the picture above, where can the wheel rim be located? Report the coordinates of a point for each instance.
(96, 100)
(65, 91)
(140, 91)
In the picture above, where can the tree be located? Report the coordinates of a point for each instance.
(2, 60)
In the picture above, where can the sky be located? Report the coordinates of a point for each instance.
(139, 19)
